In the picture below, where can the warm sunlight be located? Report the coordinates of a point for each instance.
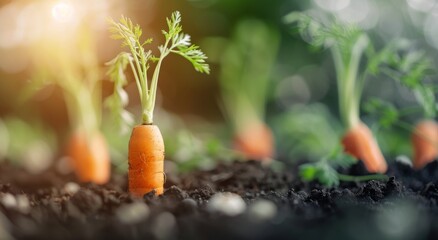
(63, 11)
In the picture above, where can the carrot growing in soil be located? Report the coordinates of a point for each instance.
(245, 74)
(348, 44)
(410, 67)
(425, 133)
(146, 146)
(71, 63)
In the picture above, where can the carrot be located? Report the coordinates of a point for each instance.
(348, 44)
(89, 157)
(255, 142)
(424, 141)
(80, 82)
(246, 70)
(146, 160)
(360, 143)
(146, 146)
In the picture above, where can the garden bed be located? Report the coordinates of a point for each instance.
(277, 205)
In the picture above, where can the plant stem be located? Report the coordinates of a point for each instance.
(349, 88)
(149, 104)
(349, 178)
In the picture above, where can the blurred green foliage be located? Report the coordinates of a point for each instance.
(306, 132)
(246, 72)
(28, 144)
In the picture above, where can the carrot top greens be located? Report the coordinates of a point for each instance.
(348, 44)
(246, 67)
(324, 170)
(139, 60)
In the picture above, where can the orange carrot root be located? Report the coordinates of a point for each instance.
(424, 142)
(89, 157)
(256, 142)
(360, 143)
(146, 160)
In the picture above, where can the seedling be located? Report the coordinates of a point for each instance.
(146, 146)
(71, 63)
(245, 74)
(410, 68)
(324, 170)
(347, 44)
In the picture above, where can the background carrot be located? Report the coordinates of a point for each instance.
(360, 143)
(347, 43)
(89, 157)
(70, 62)
(412, 72)
(146, 145)
(255, 141)
(246, 73)
(425, 143)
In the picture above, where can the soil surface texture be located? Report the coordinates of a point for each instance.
(240, 200)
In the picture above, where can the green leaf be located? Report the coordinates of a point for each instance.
(321, 172)
(386, 112)
(181, 44)
(119, 99)
(308, 172)
(327, 34)
(176, 42)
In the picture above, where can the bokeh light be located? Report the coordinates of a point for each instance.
(421, 5)
(63, 12)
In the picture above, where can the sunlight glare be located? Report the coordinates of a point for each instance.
(62, 12)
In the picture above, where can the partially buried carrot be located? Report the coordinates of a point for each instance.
(246, 70)
(71, 62)
(348, 44)
(255, 141)
(360, 143)
(146, 160)
(146, 146)
(89, 157)
(425, 143)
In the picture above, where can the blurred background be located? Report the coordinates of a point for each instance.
(300, 96)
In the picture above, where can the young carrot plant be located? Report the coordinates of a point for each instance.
(70, 63)
(410, 68)
(245, 74)
(146, 146)
(324, 171)
(348, 45)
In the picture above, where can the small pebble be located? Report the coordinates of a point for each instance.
(164, 225)
(23, 204)
(404, 160)
(189, 205)
(87, 201)
(262, 210)
(8, 200)
(71, 188)
(63, 165)
(226, 203)
(38, 157)
(132, 213)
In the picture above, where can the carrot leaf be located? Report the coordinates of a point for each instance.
(387, 113)
(175, 42)
(246, 63)
(324, 171)
(119, 99)
(321, 172)
(410, 67)
(348, 44)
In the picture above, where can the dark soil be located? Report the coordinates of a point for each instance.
(278, 206)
